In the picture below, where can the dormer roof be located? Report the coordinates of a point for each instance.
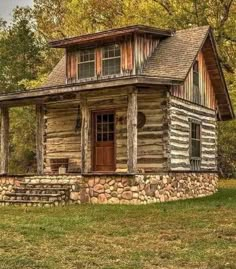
(110, 35)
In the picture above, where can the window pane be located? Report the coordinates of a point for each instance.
(86, 67)
(111, 67)
(195, 140)
(196, 148)
(105, 128)
(99, 137)
(111, 60)
(99, 128)
(86, 70)
(105, 137)
(111, 127)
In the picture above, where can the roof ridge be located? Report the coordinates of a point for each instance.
(194, 28)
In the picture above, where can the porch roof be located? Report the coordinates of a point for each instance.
(38, 95)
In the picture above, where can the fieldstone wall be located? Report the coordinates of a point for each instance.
(7, 183)
(145, 189)
(124, 189)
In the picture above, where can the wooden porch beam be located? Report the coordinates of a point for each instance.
(39, 138)
(4, 139)
(85, 118)
(132, 133)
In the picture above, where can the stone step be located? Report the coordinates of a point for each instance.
(35, 190)
(30, 203)
(35, 197)
(45, 185)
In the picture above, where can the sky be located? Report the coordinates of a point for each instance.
(6, 7)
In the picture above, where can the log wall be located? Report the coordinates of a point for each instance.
(180, 113)
(152, 137)
(63, 140)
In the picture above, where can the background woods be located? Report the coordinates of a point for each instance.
(25, 59)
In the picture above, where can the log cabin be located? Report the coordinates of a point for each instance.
(128, 115)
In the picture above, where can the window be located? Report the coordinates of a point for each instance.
(86, 64)
(195, 152)
(196, 90)
(111, 60)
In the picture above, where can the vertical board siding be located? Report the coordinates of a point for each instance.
(71, 67)
(144, 46)
(180, 114)
(134, 53)
(98, 61)
(186, 92)
(151, 137)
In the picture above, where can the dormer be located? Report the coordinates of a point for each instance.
(114, 53)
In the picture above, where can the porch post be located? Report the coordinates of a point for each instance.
(132, 133)
(84, 133)
(39, 137)
(4, 139)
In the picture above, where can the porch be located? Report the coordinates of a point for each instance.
(95, 131)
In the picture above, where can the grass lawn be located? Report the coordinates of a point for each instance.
(198, 233)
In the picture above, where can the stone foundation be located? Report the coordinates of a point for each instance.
(126, 189)
(6, 185)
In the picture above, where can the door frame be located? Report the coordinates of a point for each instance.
(93, 139)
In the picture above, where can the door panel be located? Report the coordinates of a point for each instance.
(104, 141)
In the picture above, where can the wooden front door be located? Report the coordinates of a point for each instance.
(104, 141)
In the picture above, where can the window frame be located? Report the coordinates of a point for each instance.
(195, 162)
(196, 87)
(90, 61)
(111, 58)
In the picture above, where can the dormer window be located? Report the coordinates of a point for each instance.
(86, 64)
(111, 60)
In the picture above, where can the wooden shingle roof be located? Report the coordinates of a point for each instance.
(175, 55)
(58, 74)
(169, 64)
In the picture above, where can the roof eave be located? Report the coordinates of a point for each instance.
(35, 95)
(222, 75)
(117, 32)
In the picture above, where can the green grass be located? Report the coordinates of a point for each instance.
(198, 233)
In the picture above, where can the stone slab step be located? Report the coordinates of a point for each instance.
(45, 185)
(35, 197)
(41, 190)
(29, 203)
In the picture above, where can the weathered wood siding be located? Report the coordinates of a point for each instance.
(62, 140)
(180, 113)
(135, 50)
(152, 137)
(186, 91)
(144, 46)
